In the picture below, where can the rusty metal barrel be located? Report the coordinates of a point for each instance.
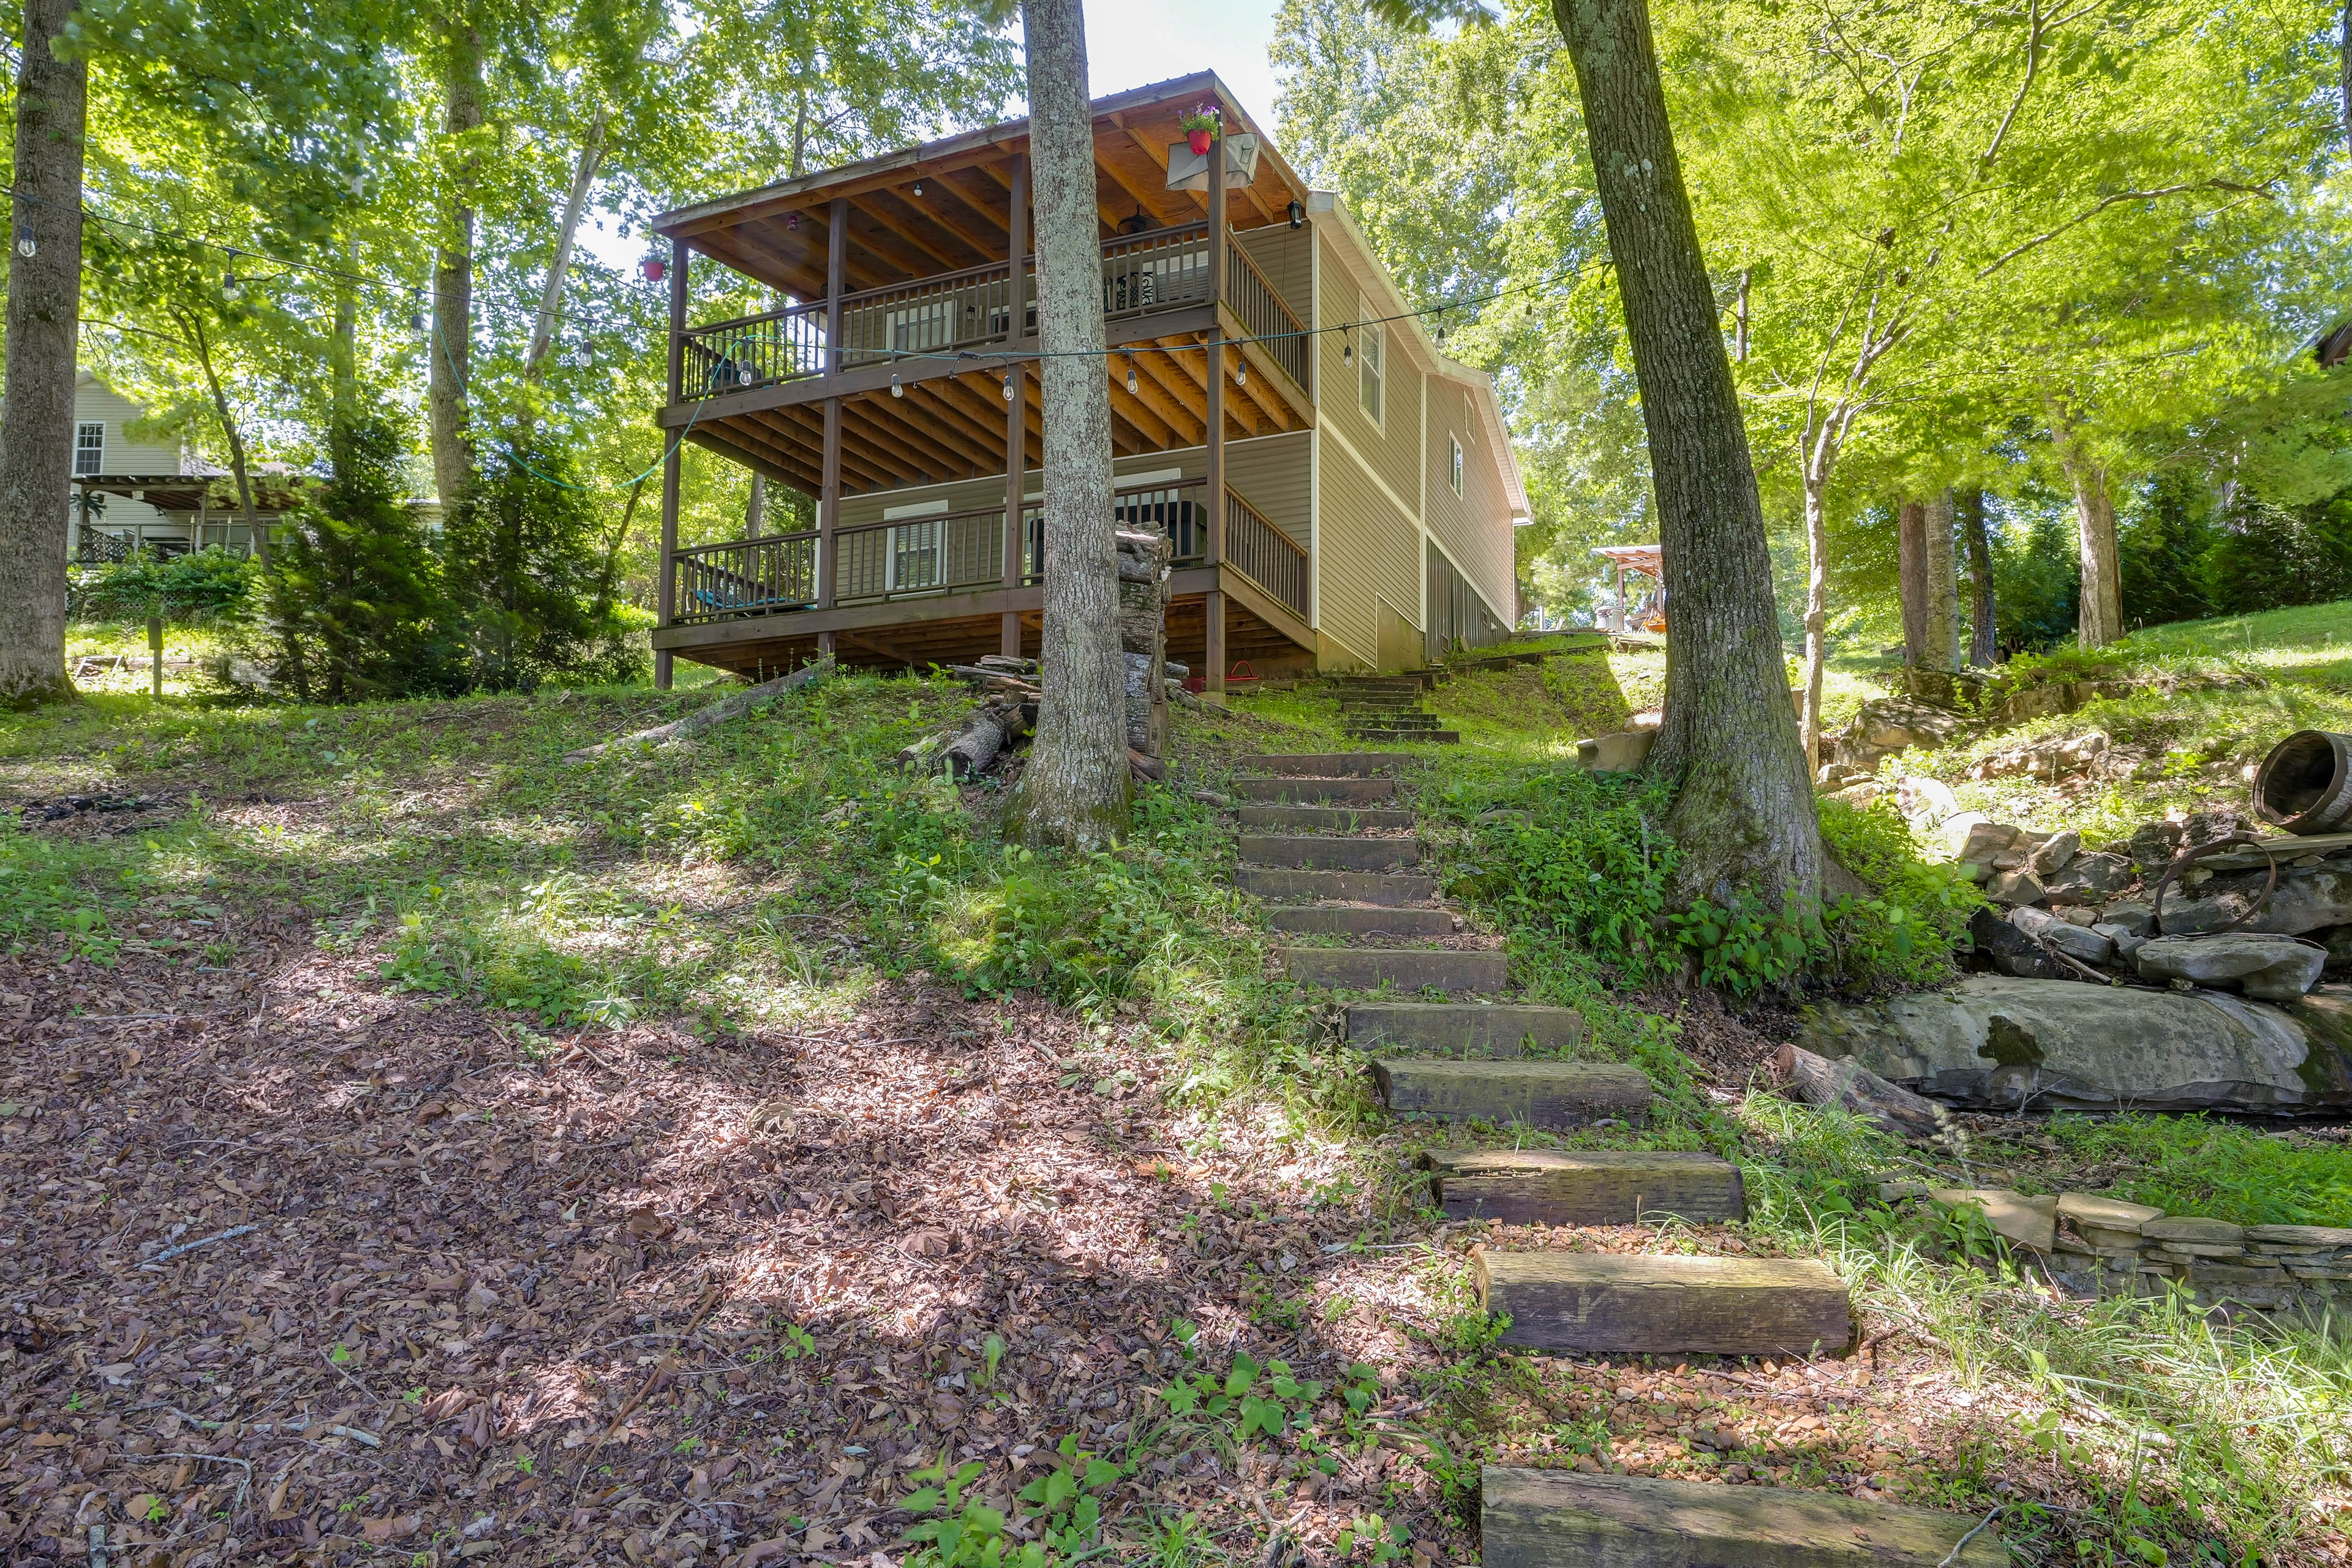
(2305, 785)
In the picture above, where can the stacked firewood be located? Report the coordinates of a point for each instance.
(979, 739)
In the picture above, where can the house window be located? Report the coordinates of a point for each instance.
(89, 448)
(1453, 464)
(1369, 365)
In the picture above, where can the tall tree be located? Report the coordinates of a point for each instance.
(1074, 791)
(1743, 817)
(44, 318)
(453, 270)
(1976, 539)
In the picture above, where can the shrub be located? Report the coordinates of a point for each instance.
(526, 546)
(199, 587)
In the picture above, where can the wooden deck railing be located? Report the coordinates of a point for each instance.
(746, 577)
(1263, 315)
(1162, 269)
(918, 557)
(1265, 554)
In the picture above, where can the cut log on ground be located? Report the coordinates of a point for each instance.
(1849, 1085)
(973, 744)
(719, 712)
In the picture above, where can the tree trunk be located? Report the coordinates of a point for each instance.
(37, 404)
(2100, 619)
(1817, 612)
(453, 273)
(755, 516)
(550, 298)
(1982, 638)
(1744, 816)
(1074, 791)
(1942, 608)
(192, 325)
(343, 350)
(1911, 576)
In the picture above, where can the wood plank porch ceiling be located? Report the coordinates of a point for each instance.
(779, 234)
(952, 425)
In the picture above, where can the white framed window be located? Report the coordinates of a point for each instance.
(1454, 463)
(1369, 364)
(89, 448)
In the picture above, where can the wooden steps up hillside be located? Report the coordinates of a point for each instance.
(1564, 1518)
(1565, 1187)
(1616, 1303)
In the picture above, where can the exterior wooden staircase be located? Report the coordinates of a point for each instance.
(1328, 844)
(1387, 708)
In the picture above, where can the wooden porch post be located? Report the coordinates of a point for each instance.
(666, 593)
(1017, 425)
(1215, 436)
(828, 500)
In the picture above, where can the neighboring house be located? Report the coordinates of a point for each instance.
(146, 495)
(1341, 495)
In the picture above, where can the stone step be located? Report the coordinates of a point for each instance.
(1386, 889)
(1462, 1030)
(1352, 920)
(1321, 818)
(1323, 764)
(1566, 1519)
(1314, 852)
(1610, 1186)
(1540, 1093)
(1605, 1303)
(1406, 969)
(1348, 792)
(1410, 737)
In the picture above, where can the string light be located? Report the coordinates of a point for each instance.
(1130, 377)
(1012, 386)
(896, 389)
(25, 244)
(230, 286)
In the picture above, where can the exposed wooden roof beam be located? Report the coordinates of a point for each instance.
(890, 425)
(997, 235)
(1153, 392)
(876, 213)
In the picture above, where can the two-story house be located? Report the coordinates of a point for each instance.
(1340, 494)
(141, 493)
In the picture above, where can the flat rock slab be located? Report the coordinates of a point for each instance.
(1618, 1303)
(1999, 1043)
(1322, 819)
(1540, 1094)
(1463, 1029)
(1313, 852)
(1554, 1186)
(1324, 764)
(1406, 969)
(1292, 887)
(1350, 920)
(1563, 1518)
(1362, 792)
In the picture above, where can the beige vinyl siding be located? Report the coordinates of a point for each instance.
(1474, 527)
(1392, 447)
(96, 403)
(1368, 553)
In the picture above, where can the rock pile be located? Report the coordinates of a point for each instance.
(2092, 1245)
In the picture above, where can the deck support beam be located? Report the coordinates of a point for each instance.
(828, 503)
(1016, 428)
(1214, 657)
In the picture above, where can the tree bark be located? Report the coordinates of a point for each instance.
(550, 298)
(1744, 816)
(2100, 618)
(1074, 791)
(1982, 640)
(194, 326)
(37, 404)
(1911, 576)
(343, 349)
(453, 273)
(1817, 617)
(1942, 616)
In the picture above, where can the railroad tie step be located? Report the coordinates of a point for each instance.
(1292, 886)
(1356, 919)
(1610, 1186)
(1324, 764)
(1540, 1093)
(1414, 737)
(1333, 792)
(1566, 1519)
(1406, 968)
(1614, 1303)
(1463, 1029)
(1323, 818)
(1317, 853)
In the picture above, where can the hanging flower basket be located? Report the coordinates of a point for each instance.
(654, 268)
(1200, 126)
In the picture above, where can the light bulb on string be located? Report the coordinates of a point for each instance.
(1011, 388)
(230, 286)
(896, 389)
(26, 245)
(1241, 372)
(417, 326)
(1130, 378)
